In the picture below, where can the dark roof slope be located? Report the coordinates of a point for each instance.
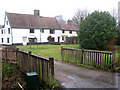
(31, 21)
(69, 27)
(47, 22)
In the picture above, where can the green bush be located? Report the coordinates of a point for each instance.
(96, 30)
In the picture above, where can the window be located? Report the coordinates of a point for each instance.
(2, 31)
(52, 31)
(8, 40)
(8, 30)
(7, 22)
(2, 40)
(31, 30)
(63, 38)
(42, 30)
(70, 32)
(63, 31)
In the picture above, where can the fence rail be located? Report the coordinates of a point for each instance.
(98, 59)
(31, 63)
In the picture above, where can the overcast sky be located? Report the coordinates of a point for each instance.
(51, 8)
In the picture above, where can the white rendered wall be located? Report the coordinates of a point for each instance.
(18, 35)
(46, 34)
(67, 34)
(5, 34)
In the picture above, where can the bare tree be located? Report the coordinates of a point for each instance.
(79, 16)
(114, 13)
(60, 19)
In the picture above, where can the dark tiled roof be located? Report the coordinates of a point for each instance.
(69, 27)
(47, 22)
(31, 21)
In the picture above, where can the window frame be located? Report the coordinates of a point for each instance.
(70, 32)
(2, 40)
(42, 30)
(8, 30)
(1, 31)
(63, 31)
(52, 31)
(63, 38)
(32, 31)
(8, 40)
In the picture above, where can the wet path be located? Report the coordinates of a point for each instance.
(72, 76)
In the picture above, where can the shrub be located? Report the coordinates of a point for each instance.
(96, 30)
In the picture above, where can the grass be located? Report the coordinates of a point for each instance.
(55, 51)
(47, 50)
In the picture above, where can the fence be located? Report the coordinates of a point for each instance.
(9, 54)
(31, 63)
(97, 59)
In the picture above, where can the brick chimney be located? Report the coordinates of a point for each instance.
(69, 22)
(36, 13)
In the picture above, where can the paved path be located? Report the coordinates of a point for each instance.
(72, 76)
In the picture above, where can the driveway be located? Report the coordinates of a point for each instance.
(72, 76)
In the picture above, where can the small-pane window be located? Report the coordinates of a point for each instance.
(70, 32)
(8, 30)
(52, 31)
(2, 40)
(31, 30)
(63, 31)
(7, 22)
(8, 40)
(62, 38)
(42, 30)
(2, 31)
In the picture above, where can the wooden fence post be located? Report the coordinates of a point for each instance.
(52, 69)
(113, 60)
(29, 61)
(17, 55)
(61, 53)
(82, 56)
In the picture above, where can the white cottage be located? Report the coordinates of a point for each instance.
(69, 30)
(23, 28)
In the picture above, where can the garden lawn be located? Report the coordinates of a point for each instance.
(47, 50)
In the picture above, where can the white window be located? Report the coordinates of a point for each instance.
(8, 40)
(63, 38)
(2, 40)
(2, 31)
(52, 31)
(8, 30)
(31, 30)
(42, 30)
(7, 22)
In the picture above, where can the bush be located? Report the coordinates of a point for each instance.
(96, 30)
(55, 43)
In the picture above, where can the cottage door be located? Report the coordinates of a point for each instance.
(58, 39)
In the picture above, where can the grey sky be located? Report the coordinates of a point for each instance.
(51, 8)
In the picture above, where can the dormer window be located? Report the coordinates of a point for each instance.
(31, 30)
